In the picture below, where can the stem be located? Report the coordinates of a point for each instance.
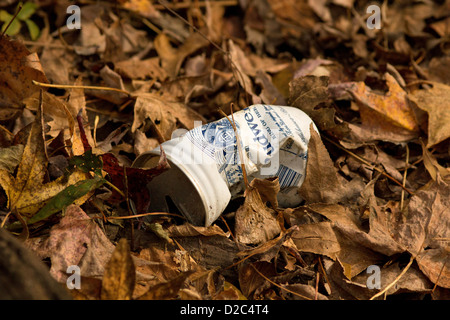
(64, 86)
(12, 19)
(395, 281)
(115, 188)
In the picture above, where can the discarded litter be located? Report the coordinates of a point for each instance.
(205, 165)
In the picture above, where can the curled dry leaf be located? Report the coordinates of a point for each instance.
(435, 101)
(19, 68)
(255, 222)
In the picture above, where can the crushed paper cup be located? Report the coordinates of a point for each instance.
(205, 164)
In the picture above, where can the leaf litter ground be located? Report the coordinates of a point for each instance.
(377, 184)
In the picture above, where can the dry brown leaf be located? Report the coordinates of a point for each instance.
(157, 265)
(140, 69)
(389, 116)
(77, 104)
(57, 62)
(250, 280)
(242, 68)
(19, 68)
(120, 274)
(171, 58)
(306, 93)
(111, 80)
(62, 119)
(298, 13)
(164, 114)
(69, 243)
(435, 101)
(142, 7)
(166, 290)
(424, 230)
(432, 165)
(322, 183)
(317, 238)
(255, 222)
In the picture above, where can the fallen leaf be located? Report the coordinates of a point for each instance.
(28, 192)
(388, 116)
(255, 223)
(241, 68)
(166, 290)
(74, 239)
(66, 197)
(317, 238)
(306, 93)
(120, 273)
(250, 280)
(171, 58)
(10, 157)
(425, 228)
(141, 69)
(432, 165)
(322, 182)
(164, 114)
(143, 7)
(55, 108)
(189, 230)
(435, 101)
(19, 68)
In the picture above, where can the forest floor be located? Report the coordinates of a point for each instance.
(82, 98)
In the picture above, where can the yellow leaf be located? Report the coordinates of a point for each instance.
(387, 115)
(27, 192)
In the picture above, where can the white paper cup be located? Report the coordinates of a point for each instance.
(205, 164)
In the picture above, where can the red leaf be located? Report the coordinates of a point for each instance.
(133, 180)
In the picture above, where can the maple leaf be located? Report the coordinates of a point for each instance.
(388, 116)
(27, 192)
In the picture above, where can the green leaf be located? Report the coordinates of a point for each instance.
(63, 199)
(28, 9)
(87, 162)
(66, 198)
(13, 29)
(33, 29)
(5, 16)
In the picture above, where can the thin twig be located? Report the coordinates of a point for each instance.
(115, 188)
(404, 177)
(279, 286)
(439, 276)
(141, 215)
(395, 281)
(369, 164)
(12, 19)
(65, 86)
